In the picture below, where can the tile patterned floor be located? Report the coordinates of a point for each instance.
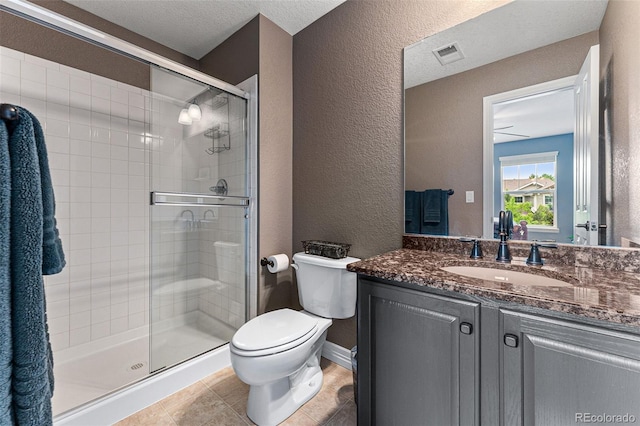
(221, 399)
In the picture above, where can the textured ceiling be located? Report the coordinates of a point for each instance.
(195, 27)
(517, 27)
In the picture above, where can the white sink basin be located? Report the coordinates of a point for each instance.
(505, 276)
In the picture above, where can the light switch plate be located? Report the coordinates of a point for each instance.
(470, 196)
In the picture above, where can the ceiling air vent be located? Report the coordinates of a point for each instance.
(449, 53)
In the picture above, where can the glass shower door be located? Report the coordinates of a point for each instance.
(198, 228)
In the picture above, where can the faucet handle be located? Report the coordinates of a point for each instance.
(534, 258)
(476, 250)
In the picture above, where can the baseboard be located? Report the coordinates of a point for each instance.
(337, 354)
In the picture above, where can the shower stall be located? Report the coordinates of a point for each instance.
(154, 205)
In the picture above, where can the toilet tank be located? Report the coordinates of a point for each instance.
(325, 287)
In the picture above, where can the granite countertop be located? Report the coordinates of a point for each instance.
(593, 293)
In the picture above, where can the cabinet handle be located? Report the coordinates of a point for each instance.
(511, 340)
(466, 328)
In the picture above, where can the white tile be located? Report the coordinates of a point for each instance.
(61, 195)
(79, 242)
(10, 84)
(78, 195)
(100, 210)
(100, 135)
(34, 73)
(136, 320)
(81, 319)
(79, 336)
(79, 273)
(119, 138)
(103, 254)
(101, 195)
(57, 95)
(100, 226)
(120, 124)
(119, 239)
(57, 78)
(57, 144)
(119, 325)
(33, 104)
(136, 169)
(80, 100)
(100, 313)
(100, 180)
(136, 155)
(57, 128)
(100, 240)
(35, 60)
(100, 106)
(136, 182)
(100, 150)
(120, 167)
(58, 161)
(79, 131)
(119, 253)
(136, 100)
(33, 90)
(119, 210)
(11, 53)
(119, 224)
(101, 330)
(10, 66)
(119, 152)
(100, 89)
(59, 341)
(103, 80)
(80, 116)
(80, 163)
(79, 84)
(136, 114)
(119, 181)
(119, 95)
(119, 110)
(58, 308)
(57, 111)
(100, 165)
(80, 226)
(80, 304)
(79, 147)
(101, 269)
(77, 178)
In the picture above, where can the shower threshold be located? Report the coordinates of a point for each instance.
(92, 370)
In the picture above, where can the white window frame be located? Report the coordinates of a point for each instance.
(534, 158)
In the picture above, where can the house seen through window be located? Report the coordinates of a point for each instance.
(529, 188)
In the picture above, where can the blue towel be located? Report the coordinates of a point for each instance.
(34, 249)
(6, 351)
(435, 215)
(431, 206)
(412, 209)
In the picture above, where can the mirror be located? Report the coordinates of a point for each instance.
(489, 63)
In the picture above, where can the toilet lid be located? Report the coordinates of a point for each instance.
(273, 329)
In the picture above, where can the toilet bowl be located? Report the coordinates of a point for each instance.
(278, 353)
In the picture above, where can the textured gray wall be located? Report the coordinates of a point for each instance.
(443, 121)
(620, 74)
(275, 161)
(348, 150)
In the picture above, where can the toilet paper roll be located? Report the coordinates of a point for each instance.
(280, 263)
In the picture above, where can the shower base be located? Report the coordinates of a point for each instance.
(90, 371)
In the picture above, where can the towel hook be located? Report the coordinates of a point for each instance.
(8, 112)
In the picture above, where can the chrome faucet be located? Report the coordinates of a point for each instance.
(190, 222)
(505, 226)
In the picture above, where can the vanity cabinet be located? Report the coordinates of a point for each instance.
(455, 359)
(556, 372)
(418, 357)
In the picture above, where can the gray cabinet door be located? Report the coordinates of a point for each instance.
(562, 373)
(418, 358)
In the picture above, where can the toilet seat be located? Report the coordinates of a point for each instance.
(273, 332)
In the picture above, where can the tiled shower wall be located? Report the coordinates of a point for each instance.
(100, 151)
(95, 134)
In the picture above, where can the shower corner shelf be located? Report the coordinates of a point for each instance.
(216, 133)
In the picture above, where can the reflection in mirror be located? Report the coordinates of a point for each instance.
(498, 56)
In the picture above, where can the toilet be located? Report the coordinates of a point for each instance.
(278, 353)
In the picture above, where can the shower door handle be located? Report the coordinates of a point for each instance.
(196, 200)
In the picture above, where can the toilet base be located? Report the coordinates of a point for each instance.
(272, 403)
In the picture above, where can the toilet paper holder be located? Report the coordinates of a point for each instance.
(266, 262)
